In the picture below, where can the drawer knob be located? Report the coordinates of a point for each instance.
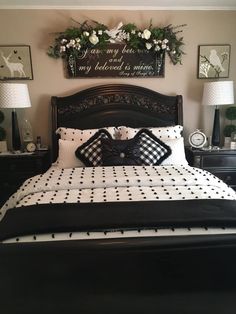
(228, 178)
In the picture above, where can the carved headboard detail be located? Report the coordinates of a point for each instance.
(113, 105)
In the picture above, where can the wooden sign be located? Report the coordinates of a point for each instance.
(117, 60)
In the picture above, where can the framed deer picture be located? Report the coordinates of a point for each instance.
(15, 63)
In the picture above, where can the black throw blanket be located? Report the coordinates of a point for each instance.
(71, 217)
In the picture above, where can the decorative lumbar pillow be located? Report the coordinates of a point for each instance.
(163, 133)
(143, 149)
(120, 152)
(90, 153)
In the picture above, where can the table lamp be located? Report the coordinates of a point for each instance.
(14, 96)
(217, 94)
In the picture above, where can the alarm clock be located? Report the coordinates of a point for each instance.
(197, 139)
(31, 147)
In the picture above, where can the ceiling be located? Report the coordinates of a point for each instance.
(121, 4)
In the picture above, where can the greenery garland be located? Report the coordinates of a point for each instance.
(157, 39)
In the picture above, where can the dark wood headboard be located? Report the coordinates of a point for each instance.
(114, 105)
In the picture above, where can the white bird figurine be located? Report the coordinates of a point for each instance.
(113, 33)
(215, 60)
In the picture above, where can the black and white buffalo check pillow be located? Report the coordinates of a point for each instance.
(90, 153)
(143, 149)
(152, 150)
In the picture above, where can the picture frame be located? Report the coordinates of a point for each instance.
(15, 63)
(213, 61)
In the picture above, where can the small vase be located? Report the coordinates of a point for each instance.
(3, 146)
(26, 131)
(227, 142)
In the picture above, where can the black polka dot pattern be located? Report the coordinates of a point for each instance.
(120, 183)
(115, 184)
(163, 133)
(81, 136)
(66, 236)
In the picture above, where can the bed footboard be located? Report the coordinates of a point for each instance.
(119, 276)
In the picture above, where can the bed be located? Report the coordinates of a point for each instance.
(118, 239)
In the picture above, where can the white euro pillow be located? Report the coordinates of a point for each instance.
(66, 155)
(162, 133)
(177, 157)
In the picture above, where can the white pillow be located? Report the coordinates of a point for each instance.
(67, 159)
(163, 133)
(177, 157)
(66, 155)
(81, 136)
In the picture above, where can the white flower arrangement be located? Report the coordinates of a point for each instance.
(76, 39)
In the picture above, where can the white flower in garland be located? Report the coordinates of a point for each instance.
(72, 42)
(128, 36)
(93, 39)
(146, 34)
(156, 39)
(62, 49)
(148, 46)
(78, 46)
(157, 48)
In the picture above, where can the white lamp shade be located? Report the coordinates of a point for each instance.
(218, 93)
(14, 95)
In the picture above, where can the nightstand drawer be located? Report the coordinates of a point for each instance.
(228, 177)
(222, 163)
(17, 166)
(218, 161)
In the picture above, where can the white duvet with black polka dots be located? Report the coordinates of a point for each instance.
(120, 183)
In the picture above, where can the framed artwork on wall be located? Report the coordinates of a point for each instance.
(15, 63)
(213, 61)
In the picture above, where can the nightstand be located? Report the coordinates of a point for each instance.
(222, 163)
(16, 168)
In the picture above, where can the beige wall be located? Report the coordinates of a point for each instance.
(34, 28)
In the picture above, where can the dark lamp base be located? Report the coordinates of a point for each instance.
(16, 142)
(215, 141)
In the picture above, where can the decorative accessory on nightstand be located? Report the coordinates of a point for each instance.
(233, 140)
(217, 94)
(197, 139)
(13, 95)
(26, 133)
(31, 147)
